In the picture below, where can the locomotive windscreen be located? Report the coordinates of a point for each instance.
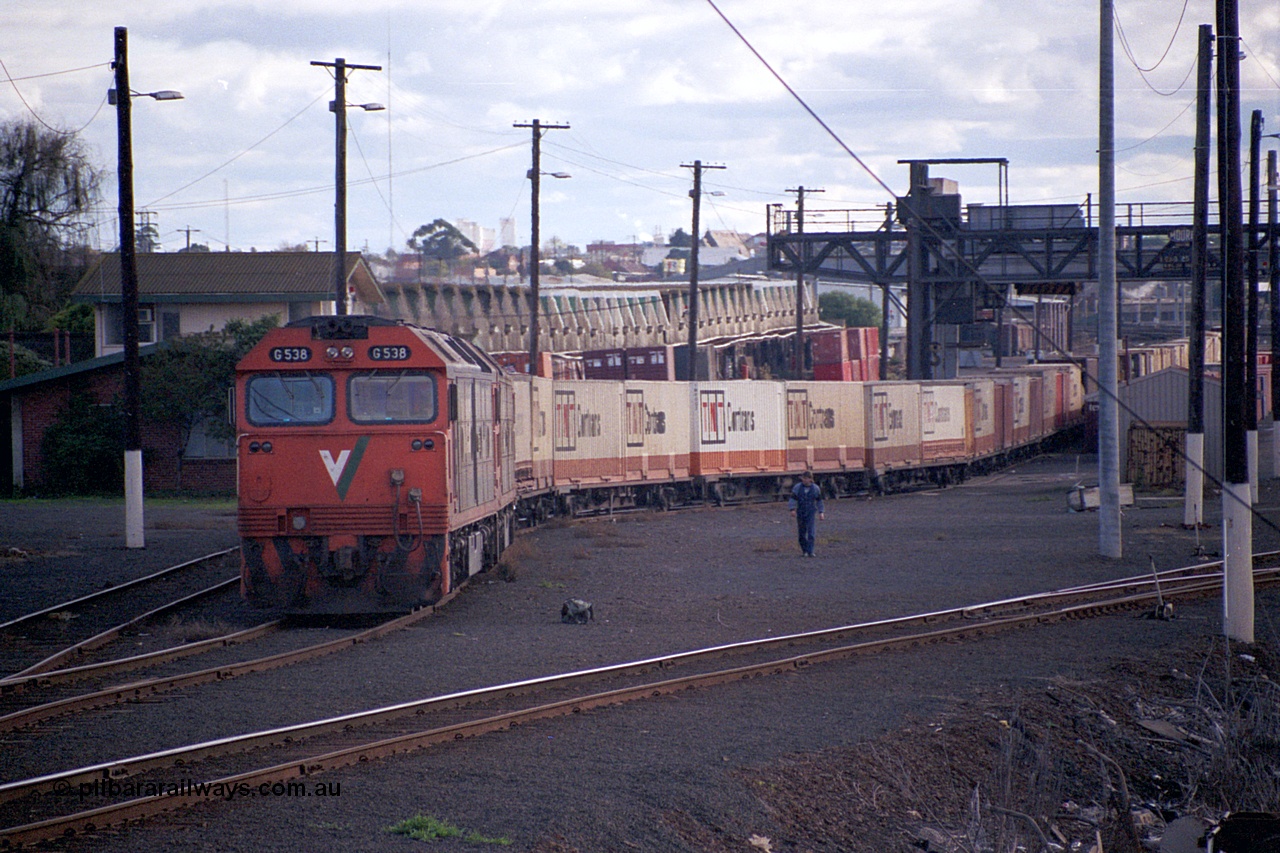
(406, 396)
(294, 398)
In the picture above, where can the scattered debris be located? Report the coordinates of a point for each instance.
(760, 842)
(575, 611)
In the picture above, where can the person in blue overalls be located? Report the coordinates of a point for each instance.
(806, 505)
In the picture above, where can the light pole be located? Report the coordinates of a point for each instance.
(339, 108)
(122, 96)
(535, 174)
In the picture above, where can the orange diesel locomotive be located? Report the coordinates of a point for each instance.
(376, 467)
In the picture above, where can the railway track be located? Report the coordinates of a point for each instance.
(65, 633)
(302, 751)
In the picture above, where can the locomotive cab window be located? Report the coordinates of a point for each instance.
(392, 396)
(286, 399)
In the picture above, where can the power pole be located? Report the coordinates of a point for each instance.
(696, 195)
(339, 107)
(1193, 509)
(804, 249)
(189, 231)
(535, 175)
(1237, 507)
(1110, 538)
(1251, 309)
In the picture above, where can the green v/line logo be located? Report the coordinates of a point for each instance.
(343, 470)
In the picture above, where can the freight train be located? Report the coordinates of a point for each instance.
(382, 464)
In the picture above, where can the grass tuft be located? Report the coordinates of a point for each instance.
(428, 828)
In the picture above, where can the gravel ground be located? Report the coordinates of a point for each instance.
(705, 770)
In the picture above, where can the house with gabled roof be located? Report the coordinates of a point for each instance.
(186, 292)
(178, 293)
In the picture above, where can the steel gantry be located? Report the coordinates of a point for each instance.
(955, 262)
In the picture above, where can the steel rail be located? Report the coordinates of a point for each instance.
(111, 590)
(240, 743)
(136, 691)
(15, 684)
(138, 808)
(111, 634)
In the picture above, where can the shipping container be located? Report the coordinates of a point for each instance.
(737, 428)
(944, 421)
(893, 424)
(533, 451)
(655, 363)
(605, 364)
(829, 346)
(841, 371)
(587, 432)
(864, 341)
(656, 415)
(826, 430)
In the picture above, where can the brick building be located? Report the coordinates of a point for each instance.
(31, 404)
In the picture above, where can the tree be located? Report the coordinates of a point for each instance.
(680, 238)
(185, 381)
(848, 310)
(47, 187)
(440, 241)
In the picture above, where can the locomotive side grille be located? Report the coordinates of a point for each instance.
(324, 521)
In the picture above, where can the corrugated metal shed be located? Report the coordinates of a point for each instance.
(1161, 398)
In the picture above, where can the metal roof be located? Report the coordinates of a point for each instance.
(217, 276)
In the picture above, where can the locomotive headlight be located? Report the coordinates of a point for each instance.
(331, 352)
(266, 447)
(416, 444)
(299, 521)
(428, 444)
(348, 352)
(254, 447)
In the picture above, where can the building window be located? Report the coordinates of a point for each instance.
(206, 443)
(114, 331)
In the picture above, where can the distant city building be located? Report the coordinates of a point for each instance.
(507, 231)
(484, 238)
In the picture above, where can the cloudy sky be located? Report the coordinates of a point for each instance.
(247, 159)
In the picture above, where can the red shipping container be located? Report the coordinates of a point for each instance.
(839, 372)
(605, 364)
(829, 346)
(864, 341)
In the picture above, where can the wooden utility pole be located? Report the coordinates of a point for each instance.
(535, 261)
(696, 195)
(1251, 309)
(1237, 507)
(1193, 508)
(800, 265)
(339, 108)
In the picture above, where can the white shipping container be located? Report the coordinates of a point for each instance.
(587, 431)
(893, 424)
(737, 427)
(826, 426)
(656, 418)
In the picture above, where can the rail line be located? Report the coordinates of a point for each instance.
(140, 690)
(84, 605)
(1088, 601)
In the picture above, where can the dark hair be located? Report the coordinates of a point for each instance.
(806, 475)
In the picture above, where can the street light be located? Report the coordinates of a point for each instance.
(534, 174)
(338, 106)
(133, 523)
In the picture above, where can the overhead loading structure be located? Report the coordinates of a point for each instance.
(961, 264)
